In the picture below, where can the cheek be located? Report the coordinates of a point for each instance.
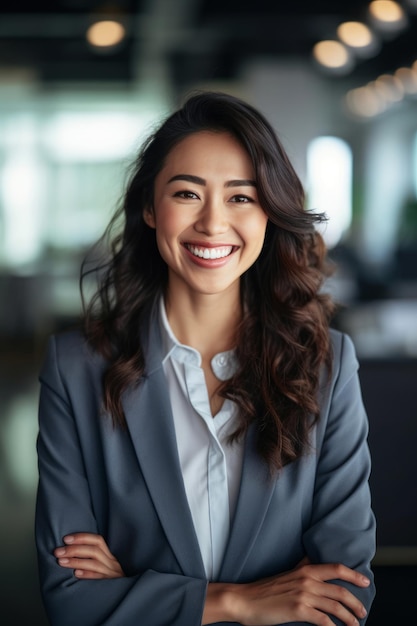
(168, 227)
(170, 222)
(255, 230)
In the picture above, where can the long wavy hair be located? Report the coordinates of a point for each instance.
(283, 339)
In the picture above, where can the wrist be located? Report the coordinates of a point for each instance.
(222, 603)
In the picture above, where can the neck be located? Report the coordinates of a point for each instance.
(207, 323)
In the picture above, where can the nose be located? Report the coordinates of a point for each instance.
(212, 219)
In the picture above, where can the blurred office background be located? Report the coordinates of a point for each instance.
(83, 82)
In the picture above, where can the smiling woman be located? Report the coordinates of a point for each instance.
(205, 218)
(204, 396)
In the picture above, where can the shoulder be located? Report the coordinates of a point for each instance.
(70, 346)
(335, 385)
(341, 343)
(340, 390)
(69, 356)
(344, 360)
(70, 341)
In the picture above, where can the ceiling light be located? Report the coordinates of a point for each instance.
(387, 16)
(105, 33)
(386, 11)
(332, 55)
(355, 34)
(359, 38)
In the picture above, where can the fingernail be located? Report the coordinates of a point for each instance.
(365, 580)
(63, 561)
(60, 552)
(78, 572)
(364, 611)
(68, 539)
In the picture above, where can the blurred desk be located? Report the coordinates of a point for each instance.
(389, 388)
(382, 328)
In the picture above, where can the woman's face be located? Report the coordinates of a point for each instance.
(210, 227)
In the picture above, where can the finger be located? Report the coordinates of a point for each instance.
(85, 551)
(308, 589)
(93, 539)
(341, 595)
(89, 575)
(95, 549)
(336, 609)
(296, 605)
(70, 556)
(313, 602)
(93, 566)
(336, 571)
(86, 555)
(322, 592)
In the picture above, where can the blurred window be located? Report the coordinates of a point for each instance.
(61, 175)
(329, 185)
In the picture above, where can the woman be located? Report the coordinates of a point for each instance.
(202, 445)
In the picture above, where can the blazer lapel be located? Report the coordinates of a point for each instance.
(149, 418)
(256, 489)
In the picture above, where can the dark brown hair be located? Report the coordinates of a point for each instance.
(283, 340)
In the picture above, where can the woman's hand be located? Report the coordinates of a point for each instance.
(301, 595)
(88, 555)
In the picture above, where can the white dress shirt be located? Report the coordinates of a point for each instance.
(211, 466)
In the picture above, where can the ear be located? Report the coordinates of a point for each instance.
(149, 217)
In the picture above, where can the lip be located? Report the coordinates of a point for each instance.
(208, 244)
(225, 253)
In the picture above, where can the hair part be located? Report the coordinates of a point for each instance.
(283, 339)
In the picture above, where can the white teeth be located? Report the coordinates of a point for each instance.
(210, 253)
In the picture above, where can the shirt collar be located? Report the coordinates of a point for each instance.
(223, 364)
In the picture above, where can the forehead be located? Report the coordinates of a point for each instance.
(209, 149)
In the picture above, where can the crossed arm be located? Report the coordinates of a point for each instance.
(100, 593)
(302, 594)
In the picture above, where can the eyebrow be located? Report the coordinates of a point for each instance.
(245, 182)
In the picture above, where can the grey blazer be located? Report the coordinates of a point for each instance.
(127, 486)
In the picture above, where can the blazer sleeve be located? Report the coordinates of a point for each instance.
(342, 528)
(64, 503)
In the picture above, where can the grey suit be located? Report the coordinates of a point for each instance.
(127, 486)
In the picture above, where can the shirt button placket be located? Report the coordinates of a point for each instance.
(218, 504)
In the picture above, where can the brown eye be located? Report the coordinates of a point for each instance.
(189, 195)
(241, 199)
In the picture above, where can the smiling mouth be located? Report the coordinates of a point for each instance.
(210, 253)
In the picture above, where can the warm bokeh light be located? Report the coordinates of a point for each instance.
(384, 92)
(365, 102)
(386, 11)
(355, 34)
(408, 78)
(106, 33)
(390, 88)
(331, 54)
